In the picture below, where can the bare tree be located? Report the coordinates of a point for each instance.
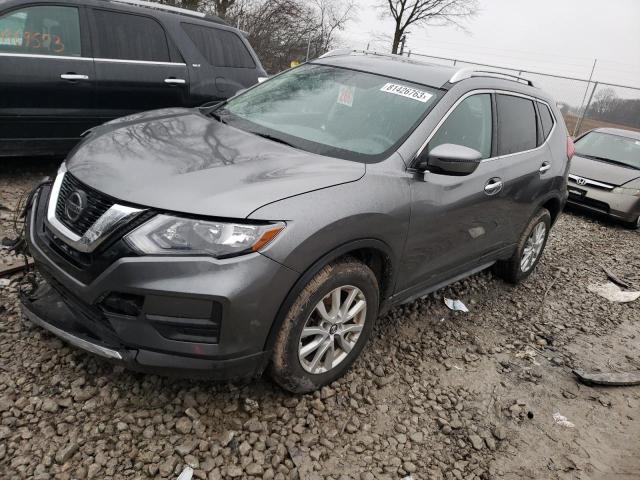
(218, 7)
(406, 13)
(222, 7)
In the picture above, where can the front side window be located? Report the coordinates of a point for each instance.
(517, 129)
(121, 36)
(332, 111)
(220, 47)
(41, 30)
(470, 125)
(610, 148)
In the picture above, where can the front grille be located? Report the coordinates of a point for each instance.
(590, 202)
(97, 204)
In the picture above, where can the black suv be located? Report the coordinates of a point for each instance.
(69, 65)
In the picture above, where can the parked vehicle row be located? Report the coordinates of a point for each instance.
(605, 174)
(269, 232)
(69, 65)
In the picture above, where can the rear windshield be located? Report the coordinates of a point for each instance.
(333, 111)
(612, 148)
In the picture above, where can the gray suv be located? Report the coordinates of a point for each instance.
(270, 231)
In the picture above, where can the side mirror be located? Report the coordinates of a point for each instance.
(450, 159)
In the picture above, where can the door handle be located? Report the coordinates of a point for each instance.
(493, 186)
(175, 81)
(73, 76)
(545, 167)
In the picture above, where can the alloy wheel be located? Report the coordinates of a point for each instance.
(533, 247)
(332, 329)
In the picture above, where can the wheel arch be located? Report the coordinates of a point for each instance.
(374, 253)
(554, 205)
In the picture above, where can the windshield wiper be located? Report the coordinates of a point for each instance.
(217, 116)
(273, 139)
(609, 160)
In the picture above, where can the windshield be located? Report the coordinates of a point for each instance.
(614, 148)
(332, 111)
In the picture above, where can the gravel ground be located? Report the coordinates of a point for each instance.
(436, 394)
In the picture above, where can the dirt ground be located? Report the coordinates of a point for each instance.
(436, 394)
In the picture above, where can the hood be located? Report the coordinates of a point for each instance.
(602, 171)
(180, 160)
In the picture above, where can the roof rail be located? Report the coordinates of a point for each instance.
(349, 51)
(470, 72)
(160, 6)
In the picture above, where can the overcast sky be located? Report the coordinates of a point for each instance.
(556, 36)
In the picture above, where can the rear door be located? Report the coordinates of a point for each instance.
(137, 66)
(526, 158)
(46, 77)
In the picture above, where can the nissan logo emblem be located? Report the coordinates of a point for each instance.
(75, 205)
(581, 181)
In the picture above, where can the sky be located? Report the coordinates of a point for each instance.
(553, 36)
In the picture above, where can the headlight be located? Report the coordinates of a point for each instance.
(627, 191)
(169, 235)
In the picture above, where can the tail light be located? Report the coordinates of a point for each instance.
(571, 149)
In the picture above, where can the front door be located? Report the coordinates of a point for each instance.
(137, 67)
(46, 77)
(456, 220)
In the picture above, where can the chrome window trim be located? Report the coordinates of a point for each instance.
(490, 91)
(142, 62)
(90, 59)
(595, 183)
(32, 55)
(112, 219)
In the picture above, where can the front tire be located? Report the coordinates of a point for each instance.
(327, 327)
(529, 250)
(633, 225)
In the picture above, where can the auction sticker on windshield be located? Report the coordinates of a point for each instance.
(404, 91)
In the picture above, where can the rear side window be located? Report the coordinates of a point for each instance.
(546, 118)
(469, 125)
(121, 36)
(41, 30)
(517, 129)
(220, 47)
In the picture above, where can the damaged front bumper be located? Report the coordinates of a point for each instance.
(177, 316)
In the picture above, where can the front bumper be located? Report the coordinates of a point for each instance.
(197, 316)
(622, 207)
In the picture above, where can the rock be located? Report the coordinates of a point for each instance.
(500, 433)
(234, 471)
(49, 405)
(168, 466)
(93, 470)
(226, 437)
(476, 441)
(66, 452)
(253, 469)
(409, 467)
(327, 392)
(192, 413)
(183, 425)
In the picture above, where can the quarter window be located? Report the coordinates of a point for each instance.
(546, 118)
(469, 125)
(517, 129)
(121, 36)
(220, 47)
(41, 30)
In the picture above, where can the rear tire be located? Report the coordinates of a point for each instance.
(529, 250)
(327, 327)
